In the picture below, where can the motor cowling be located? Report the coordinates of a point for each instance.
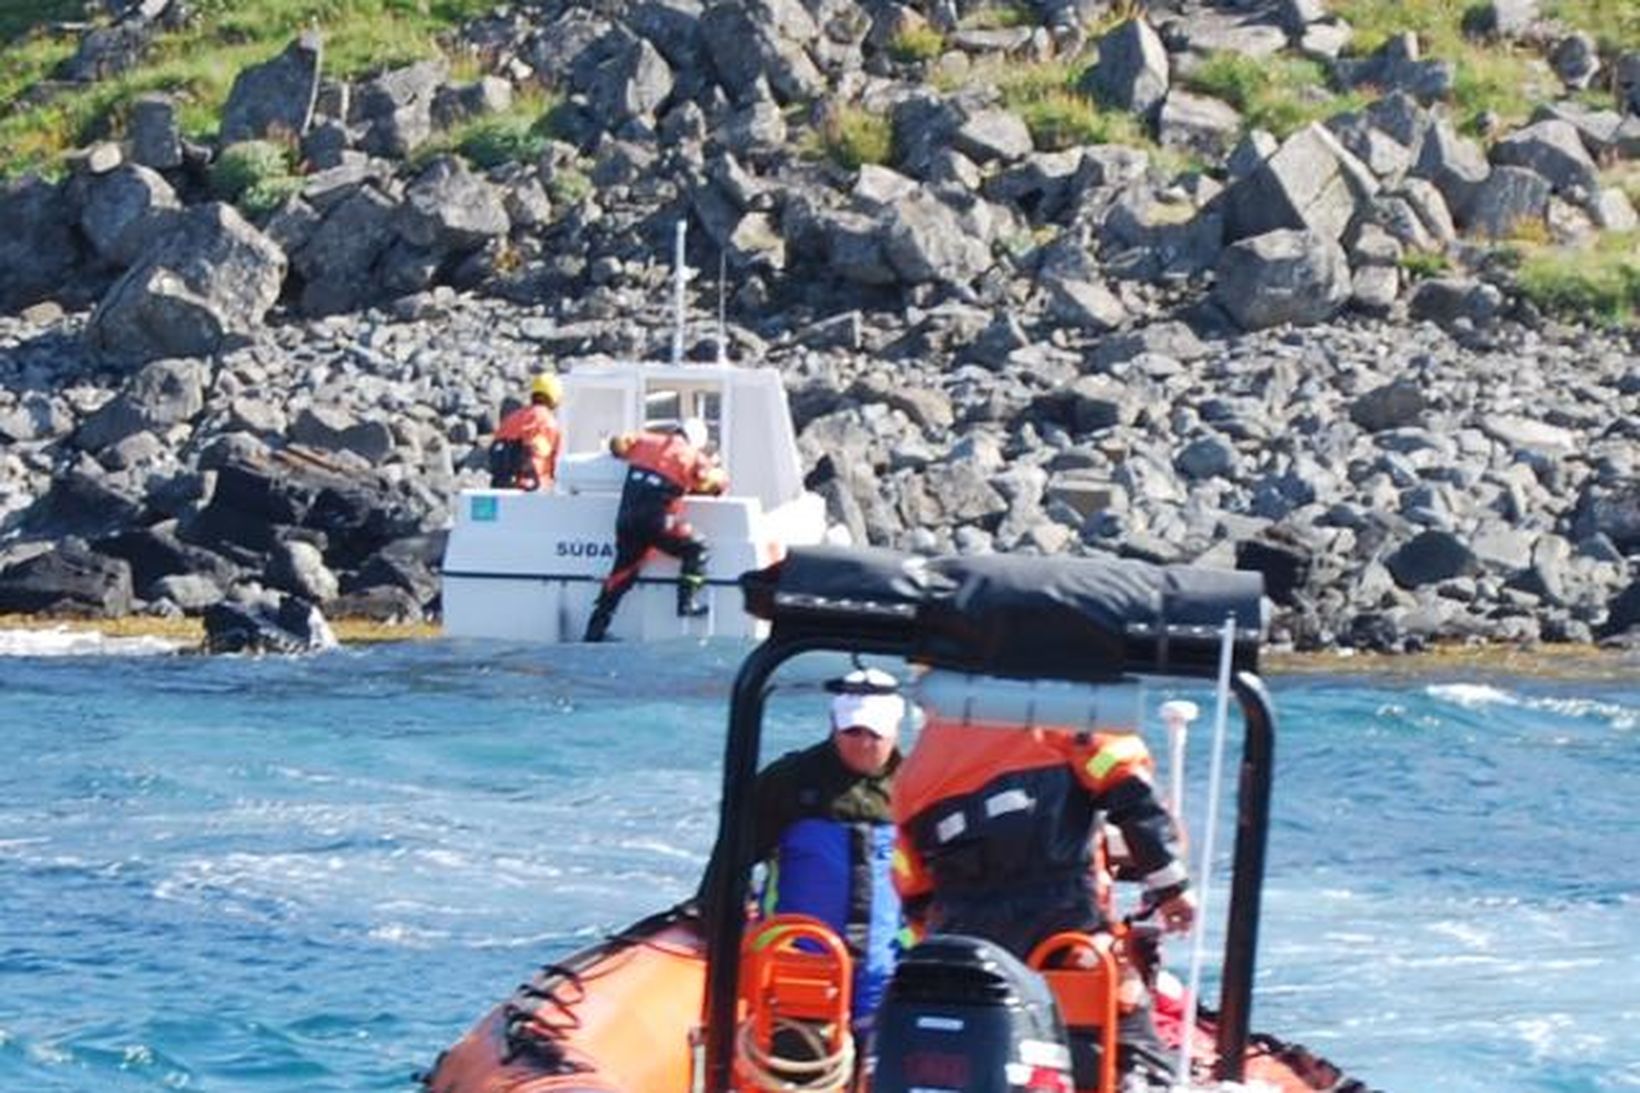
(963, 1013)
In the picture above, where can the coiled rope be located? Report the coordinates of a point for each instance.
(826, 1072)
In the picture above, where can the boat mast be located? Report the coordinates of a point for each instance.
(680, 273)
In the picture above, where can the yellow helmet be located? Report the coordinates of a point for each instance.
(547, 386)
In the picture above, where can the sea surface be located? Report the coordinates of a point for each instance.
(313, 874)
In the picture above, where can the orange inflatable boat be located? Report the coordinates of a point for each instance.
(688, 1003)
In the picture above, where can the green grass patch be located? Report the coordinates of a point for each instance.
(854, 137)
(199, 63)
(1421, 265)
(916, 43)
(515, 135)
(1600, 282)
(1281, 94)
(999, 17)
(1048, 100)
(256, 175)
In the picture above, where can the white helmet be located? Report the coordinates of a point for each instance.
(694, 431)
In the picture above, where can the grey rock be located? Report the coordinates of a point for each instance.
(1254, 148)
(1446, 300)
(1282, 277)
(1456, 165)
(1374, 289)
(1398, 65)
(105, 52)
(207, 283)
(193, 592)
(1613, 211)
(340, 255)
(450, 209)
(1626, 83)
(993, 135)
(1430, 206)
(153, 133)
(456, 103)
(325, 145)
(1501, 18)
(1430, 557)
(1197, 123)
(1576, 60)
(623, 77)
(299, 568)
(1312, 183)
(126, 210)
(1510, 200)
(1084, 304)
(395, 110)
(160, 395)
(925, 242)
(1554, 150)
(1394, 405)
(38, 245)
(1206, 457)
(762, 39)
(1132, 71)
(275, 98)
(69, 579)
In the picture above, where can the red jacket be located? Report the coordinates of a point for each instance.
(537, 428)
(674, 459)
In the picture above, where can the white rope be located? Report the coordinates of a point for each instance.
(1204, 872)
(827, 1072)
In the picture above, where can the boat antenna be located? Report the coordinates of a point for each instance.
(680, 273)
(1204, 887)
(722, 327)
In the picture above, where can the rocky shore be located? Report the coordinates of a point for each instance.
(1309, 355)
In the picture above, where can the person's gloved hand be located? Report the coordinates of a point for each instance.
(1178, 912)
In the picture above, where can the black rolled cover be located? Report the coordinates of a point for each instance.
(1019, 615)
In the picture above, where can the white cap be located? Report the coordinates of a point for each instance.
(694, 431)
(880, 713)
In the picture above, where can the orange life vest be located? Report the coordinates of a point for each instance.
(536, 428)
(674, 459)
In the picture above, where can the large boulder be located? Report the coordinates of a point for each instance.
(208, 283)
(154, 133)
(124, 211)
(338, 260)
(292, 626)
(1555, 150)
(753, 40)
(1280, 277)
(395, 110)
(67, 580)
(1132, 71)
(1510, 201)
(276, 98)
(449, 209)
(1455, 164)
(1431, 557)
(1312, 183)
(160, 395)
(624, 77)
(39, 248)
(79, 504)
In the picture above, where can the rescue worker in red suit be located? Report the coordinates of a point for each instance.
(663, 468)
(524, 454)
(995, 841)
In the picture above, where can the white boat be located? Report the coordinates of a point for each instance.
(527, 565)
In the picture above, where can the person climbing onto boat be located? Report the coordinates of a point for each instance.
(524, 453)
(824, 831)
(994, 829)
(662, 468)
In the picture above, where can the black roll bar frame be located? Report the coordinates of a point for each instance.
(726, 896)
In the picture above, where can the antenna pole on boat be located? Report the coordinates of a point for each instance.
(1221, 719)
(680, 273)
(723, 326)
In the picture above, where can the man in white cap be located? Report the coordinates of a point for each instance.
(825, 830)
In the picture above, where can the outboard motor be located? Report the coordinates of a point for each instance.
(963, 1013)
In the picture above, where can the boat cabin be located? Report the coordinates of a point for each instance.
(527, 565)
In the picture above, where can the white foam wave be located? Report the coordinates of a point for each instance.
(60, 641)
(1479, 696)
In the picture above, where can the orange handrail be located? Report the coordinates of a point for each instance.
(1083, 976)
(796, 968)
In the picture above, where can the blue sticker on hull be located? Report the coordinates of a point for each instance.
(484, 509)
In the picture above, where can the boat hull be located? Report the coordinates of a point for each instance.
(620, 1017)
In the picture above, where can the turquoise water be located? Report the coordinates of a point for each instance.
(311, 875)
